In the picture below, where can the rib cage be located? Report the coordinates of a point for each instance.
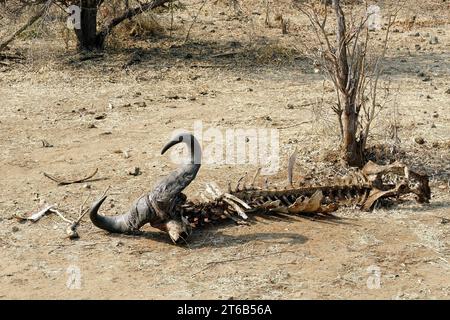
(361, 190)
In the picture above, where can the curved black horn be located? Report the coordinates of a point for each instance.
(138, 215)
(169, 187)
(158, 204)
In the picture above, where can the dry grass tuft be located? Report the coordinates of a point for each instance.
(270, 53)
(143, 26)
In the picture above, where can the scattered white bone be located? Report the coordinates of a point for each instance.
(60, 215)
(36, 216)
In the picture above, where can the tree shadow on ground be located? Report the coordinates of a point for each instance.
(162, 52)
(214, 237)
(422, 65)
(196, 54)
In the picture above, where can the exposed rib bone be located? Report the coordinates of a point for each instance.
(255, 176)
(236, 199)
(291, 164)
(238, 209)
(215, 189)
(240, 180)
(60, 215)
(212, 191)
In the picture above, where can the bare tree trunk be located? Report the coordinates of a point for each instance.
(87, 34)
(351, 148)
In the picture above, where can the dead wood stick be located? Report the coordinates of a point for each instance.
(10, 56)
(209, 66)
(60, 215)
(84, 202)
(225, 54)
(294, 125)
(31, 21)
(66, 182)
(291, 165)
(249, 257)
(258, 171)
(193, 21)
(71, 230)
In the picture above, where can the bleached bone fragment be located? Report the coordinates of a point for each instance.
(255, 176)
(38, 215)
(291, 164)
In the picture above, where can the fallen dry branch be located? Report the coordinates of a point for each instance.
(10, 56)
(62, 182)
(71, 230)
(59, 214)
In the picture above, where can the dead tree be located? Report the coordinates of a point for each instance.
(353, 73)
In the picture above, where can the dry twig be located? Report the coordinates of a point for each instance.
(62, 182)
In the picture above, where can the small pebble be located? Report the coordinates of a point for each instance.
(434, 40)
(100, 116)
(140, 104)
(135, 172)
(119, 244)
(46, 144)
(419, 140)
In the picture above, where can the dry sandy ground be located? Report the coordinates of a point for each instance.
(170, 85)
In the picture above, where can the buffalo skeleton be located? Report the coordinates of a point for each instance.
(169, 210)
